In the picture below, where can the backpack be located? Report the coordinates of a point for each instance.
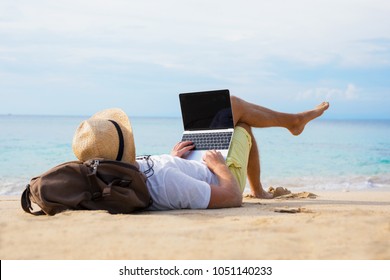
(97, 184)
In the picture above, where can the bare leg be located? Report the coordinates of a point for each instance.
(253, 171)
(258, 116)
(249, 115)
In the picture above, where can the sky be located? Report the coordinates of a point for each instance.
(77, 57)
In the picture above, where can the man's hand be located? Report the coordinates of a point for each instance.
(182, 148)
(214, 160)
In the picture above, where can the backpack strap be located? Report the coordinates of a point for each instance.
(26, 203)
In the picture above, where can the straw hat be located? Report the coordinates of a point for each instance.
(107, 134)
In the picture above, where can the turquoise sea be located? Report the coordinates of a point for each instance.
(329, 155)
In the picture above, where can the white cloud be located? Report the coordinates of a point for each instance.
(330, 94)
(351, 92)
(303, 31)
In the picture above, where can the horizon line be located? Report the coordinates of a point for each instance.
(178, 117)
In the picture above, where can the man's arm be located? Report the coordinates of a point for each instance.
(227, 192)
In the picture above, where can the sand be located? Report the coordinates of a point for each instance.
(333, 226)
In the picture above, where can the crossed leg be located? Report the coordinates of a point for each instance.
(250, 115)
(258, 116)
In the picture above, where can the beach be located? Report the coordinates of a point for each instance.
(348, 220)
(343, 225)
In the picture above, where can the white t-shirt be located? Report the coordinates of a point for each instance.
(178, 183)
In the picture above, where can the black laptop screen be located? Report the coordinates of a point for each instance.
(206, 110)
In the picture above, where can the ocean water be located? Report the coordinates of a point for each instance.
(328, 155)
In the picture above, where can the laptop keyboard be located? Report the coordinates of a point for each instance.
(209, 141)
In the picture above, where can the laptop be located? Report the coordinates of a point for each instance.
(208, 121)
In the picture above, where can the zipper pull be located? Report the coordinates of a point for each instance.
(94, 165)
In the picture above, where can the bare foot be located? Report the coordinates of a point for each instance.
(303, 118)
(267, 195)
(263, 195)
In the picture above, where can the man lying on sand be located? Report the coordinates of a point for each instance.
(177, 183)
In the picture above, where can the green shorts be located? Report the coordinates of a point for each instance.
(237, 158)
